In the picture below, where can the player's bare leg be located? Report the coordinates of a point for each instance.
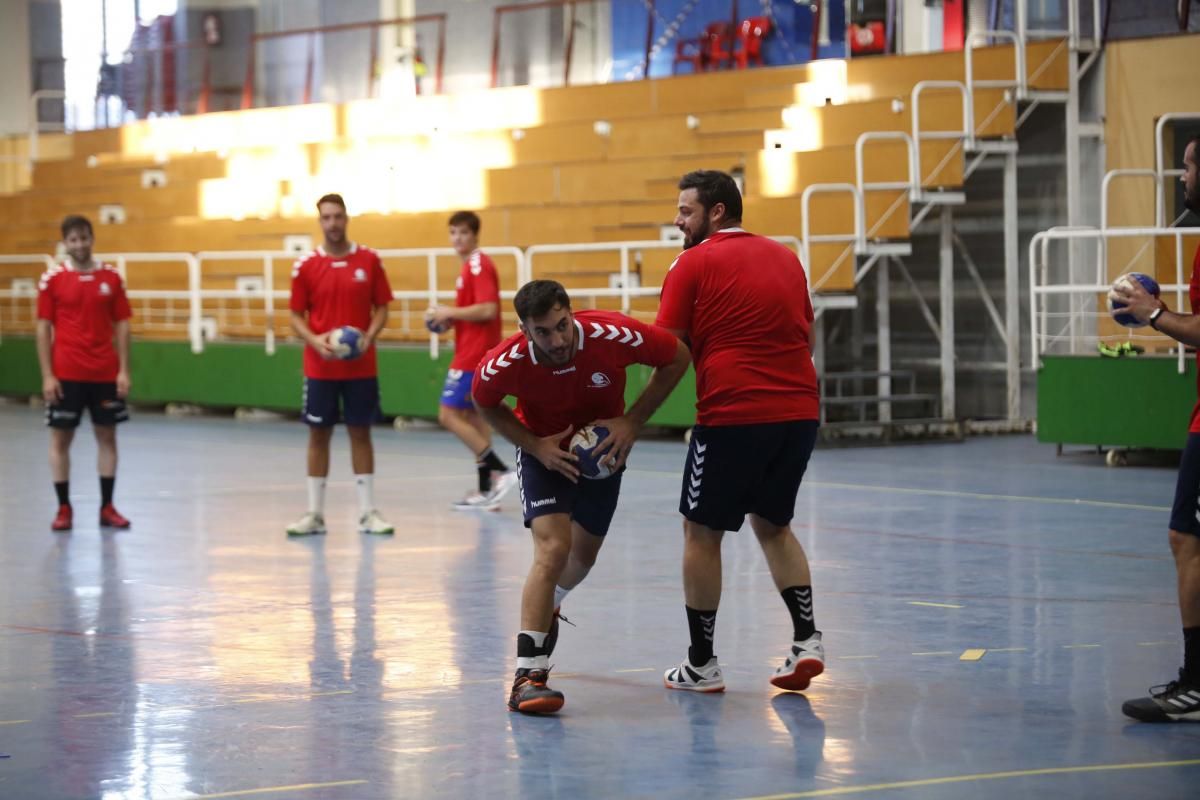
(789, 569)
(106, 464)
(60, 473)
(313, 521)
(700, 672)
(362, 459)
(551, 550)
(461, 422)
(495, 478)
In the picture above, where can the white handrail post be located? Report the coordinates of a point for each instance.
(194, 309)
(1179, 292)
(625, 302)
(431, 260)
(269, 303)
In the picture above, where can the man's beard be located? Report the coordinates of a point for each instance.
(699, 237)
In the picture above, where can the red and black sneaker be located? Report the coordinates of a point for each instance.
(111, 518)
(531, 695)
(63, 520)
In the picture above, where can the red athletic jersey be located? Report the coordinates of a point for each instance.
(1194, 296)
(478, 283)
(743, 302)
(590, 387)
(338, 291)
(83, 306)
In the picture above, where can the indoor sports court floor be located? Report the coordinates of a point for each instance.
(986, 608)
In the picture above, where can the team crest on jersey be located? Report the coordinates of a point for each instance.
(105, 289)
(360, 275)
(458, 283)
(599, 381)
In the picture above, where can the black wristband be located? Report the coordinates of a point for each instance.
(1154, 315)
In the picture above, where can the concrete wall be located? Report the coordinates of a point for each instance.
(15, 66)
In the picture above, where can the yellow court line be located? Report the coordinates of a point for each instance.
(936, 653)
(848, 658)
(1078, 646)
(96, 714)
(1153, 644)
(932, 605)
(972, 654)
(1007, 649)
(982, 776)
(298, 787)
(985, 496)
(14, 721)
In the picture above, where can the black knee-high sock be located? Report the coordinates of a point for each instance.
(106, 490)
(701, 626)
(800, 605)
(492, 460)
(61, 488)
(485, 476)
(1191, 655)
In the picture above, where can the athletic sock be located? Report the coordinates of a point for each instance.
(365, 484)
(531, 650)
(701, 625)
(492, 461)
(64, 495)
(800, 605)
(485, 476)
(106, 490)
(560, 594)
(316, 495)
(1191, 655)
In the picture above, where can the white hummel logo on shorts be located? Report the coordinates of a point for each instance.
(545, 502)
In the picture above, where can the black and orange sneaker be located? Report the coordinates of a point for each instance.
(111, 518)
(531, 695)
(63, 520)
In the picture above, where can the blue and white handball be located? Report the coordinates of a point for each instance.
(583, 443)
(346, 342)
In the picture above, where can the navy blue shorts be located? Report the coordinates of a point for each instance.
(735, 470)
(1185, 511)
(589, 503)
(358, 399)
(456, 392)
(100, 400)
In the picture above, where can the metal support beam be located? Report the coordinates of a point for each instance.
(1074, 201)
(817, 345)
(946, 307)
(883, 318)
(1012, 289)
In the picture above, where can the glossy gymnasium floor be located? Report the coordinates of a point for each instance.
(986, 608)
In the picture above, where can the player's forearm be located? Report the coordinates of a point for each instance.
(505, 422)
(123, 338)
(379, 316)
(43, 348)
(1183, 328)
(480, 312)
(301, 329)
(662, 382)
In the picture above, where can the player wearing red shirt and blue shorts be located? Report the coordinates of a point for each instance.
(81, 308)
(339, 284)
(566, 371)
(741, 303)
(1178, 700)
(475, 317)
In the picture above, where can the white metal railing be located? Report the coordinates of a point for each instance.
(965, 134)
(1044, 286)
(857, 239)
(16, 294)
(1160, 167)
(912, 185)
(1071, 32)
(1018, 82)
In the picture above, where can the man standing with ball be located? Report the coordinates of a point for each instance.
(340, 283)
(741, 303)
(475, 317)
(567, 371)
(1177, 700)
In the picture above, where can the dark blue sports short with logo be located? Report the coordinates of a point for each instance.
(735, 470)
(1185, 511)
(591, 503)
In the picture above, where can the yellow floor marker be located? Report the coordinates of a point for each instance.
(972, 654)
(932, 605)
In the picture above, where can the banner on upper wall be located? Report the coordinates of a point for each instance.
(783, 28)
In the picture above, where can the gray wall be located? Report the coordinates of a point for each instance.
(15, 66)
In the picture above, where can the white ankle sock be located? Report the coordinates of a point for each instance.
(316, 495)
(365, 484)
(560, 594)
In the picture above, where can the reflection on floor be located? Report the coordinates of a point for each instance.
(203, 653)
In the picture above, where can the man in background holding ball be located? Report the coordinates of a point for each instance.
(566, 371)
(340, 283)
(475, 317)
(1177, 700)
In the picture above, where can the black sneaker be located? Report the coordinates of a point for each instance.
(1177, 701)
(531, 695)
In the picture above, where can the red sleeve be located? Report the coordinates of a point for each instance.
(381, 292)
(485, 287)
(678, 296)
(45, 300)
(489, 393)
(299, 301)
(659, 345)
(121, 310)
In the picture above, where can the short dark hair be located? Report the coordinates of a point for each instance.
(468, 218)
(332, 197)
(538, 298)
(76, 222)
(712, 187)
